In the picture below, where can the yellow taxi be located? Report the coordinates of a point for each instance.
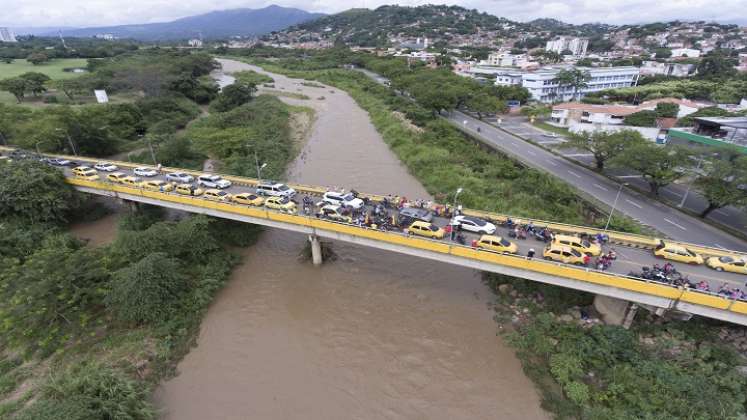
(677, 253)
(188, 189)
(281, 203)
(332, 212)
(248, 198)
(86, 173)
(497, 244)
(116, 177)
(427, 229)
(131, 181)
(731, 264)
(157, 185)
(216, 195)
(564, 254)
(580, 245)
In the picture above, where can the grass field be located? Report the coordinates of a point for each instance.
(53, 68)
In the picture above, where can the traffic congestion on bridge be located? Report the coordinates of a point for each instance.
(670, 263)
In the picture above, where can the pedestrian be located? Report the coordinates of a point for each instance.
(158, 168)
(530, 254)
(587, 258)
(449, 231)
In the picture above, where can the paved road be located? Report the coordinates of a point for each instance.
(629, 259)
(668, 221)
(728, 216)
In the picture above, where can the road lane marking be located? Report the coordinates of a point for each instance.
(675, 193)
(514, 144)
(579, 155)
(719, 246)
(669, 221)
(552, 163)
(721, 212)
(574, 174)
(630, 176)
(531, 153)
(600, 187)
(634, 203)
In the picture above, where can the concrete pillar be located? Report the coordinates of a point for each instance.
(132, 206)
(316, 250)
(615, 311)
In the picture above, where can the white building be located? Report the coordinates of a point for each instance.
(195, 43)
(685, 52)
(652, 68)
(544, 87)
(566, 114)
(504, 76)
(577, 46)
(504, 59)
(7, 35)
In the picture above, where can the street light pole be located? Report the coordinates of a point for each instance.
(609, 219)
(259, 168)
(690, 184)
(456, 194)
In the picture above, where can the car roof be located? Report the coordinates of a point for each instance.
(490, 237)
(559, 247)
(561, 236)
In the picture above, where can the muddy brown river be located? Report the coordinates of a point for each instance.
(372, 335)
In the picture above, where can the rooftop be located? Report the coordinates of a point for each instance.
(604, 109)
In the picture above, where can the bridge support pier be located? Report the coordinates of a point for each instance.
(615, 311)
(316, 250)
(132, 206)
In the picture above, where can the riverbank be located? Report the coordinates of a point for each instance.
(372, 335)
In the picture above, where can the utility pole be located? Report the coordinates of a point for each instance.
(150, 147)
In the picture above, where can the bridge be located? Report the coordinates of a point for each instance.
(618, 294)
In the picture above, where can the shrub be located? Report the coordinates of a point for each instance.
(643, 118)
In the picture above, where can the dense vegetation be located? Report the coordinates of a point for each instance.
(675, 370)
(731, 90)
(52, 47)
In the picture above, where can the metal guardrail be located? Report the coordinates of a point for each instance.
(588, 275)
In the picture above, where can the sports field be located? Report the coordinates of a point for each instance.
(52, 68)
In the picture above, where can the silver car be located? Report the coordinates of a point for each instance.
(180, 177)
(416, 214)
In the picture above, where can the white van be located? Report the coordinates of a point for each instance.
(275, 189)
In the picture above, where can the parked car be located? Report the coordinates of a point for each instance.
(726, 263)
(249, 199)
(189, 189)
(342, 199)
(116, 177)
(180, 177)
(563, 254)
(413, 213)
(275, 189)
(497, 244)
(131, 181)
(145, 171)
(105, 167)
(212, 181)
(427, 229)
(157, 185)
(85, 172)
(333, 212)
(59, 162)
(281, 203)
(217, 195)
(580, 245)
(679, 253)
(474, 224)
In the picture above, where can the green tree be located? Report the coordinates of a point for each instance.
(37, 58)
(15, 86)
(667, 110)
(35, 82)
(716, 66)
(148, 290)
(663, 52)
(574, 78)
(233, 96)
(71, 87)
(34, 192)
(484, 103)
(721, 184)
(645, 118)
(658, 165)
(603, 145)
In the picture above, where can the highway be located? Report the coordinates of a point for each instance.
(730, 217)
(670, 222)
(629, 259)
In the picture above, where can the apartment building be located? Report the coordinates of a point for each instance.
(577, 46)
(7, 35)
(652, 68)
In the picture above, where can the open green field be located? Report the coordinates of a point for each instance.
(53, 68)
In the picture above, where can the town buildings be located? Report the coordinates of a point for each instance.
(7, 35)
(544, 87)
(577, 46)
(685, 52)
(653, 68)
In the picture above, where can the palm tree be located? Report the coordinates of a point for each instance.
(575, 78)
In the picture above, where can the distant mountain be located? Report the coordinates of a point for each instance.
(218, 24)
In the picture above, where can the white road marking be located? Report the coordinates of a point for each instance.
(634, 203)
(600, 187)
(552, 163)
(531, 153)
(578, 155)
(514, 144)
(675, 193)
(669, 221)
(721, 212)
(630, 176)
(719, 246)
(574, 174)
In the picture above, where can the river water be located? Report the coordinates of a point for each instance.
(372, 335)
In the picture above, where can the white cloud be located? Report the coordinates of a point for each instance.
(110, 12)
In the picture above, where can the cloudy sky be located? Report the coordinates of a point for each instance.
(22, 13)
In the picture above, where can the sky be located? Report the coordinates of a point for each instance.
(86, 13)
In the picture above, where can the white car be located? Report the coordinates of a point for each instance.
(551, 135)
(275, 189)
(212, 181)
(342, 199)
(143, 171)
(474, 224)
(180, 177)
(105, 167)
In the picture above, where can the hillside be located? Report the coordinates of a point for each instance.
(218, 24)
